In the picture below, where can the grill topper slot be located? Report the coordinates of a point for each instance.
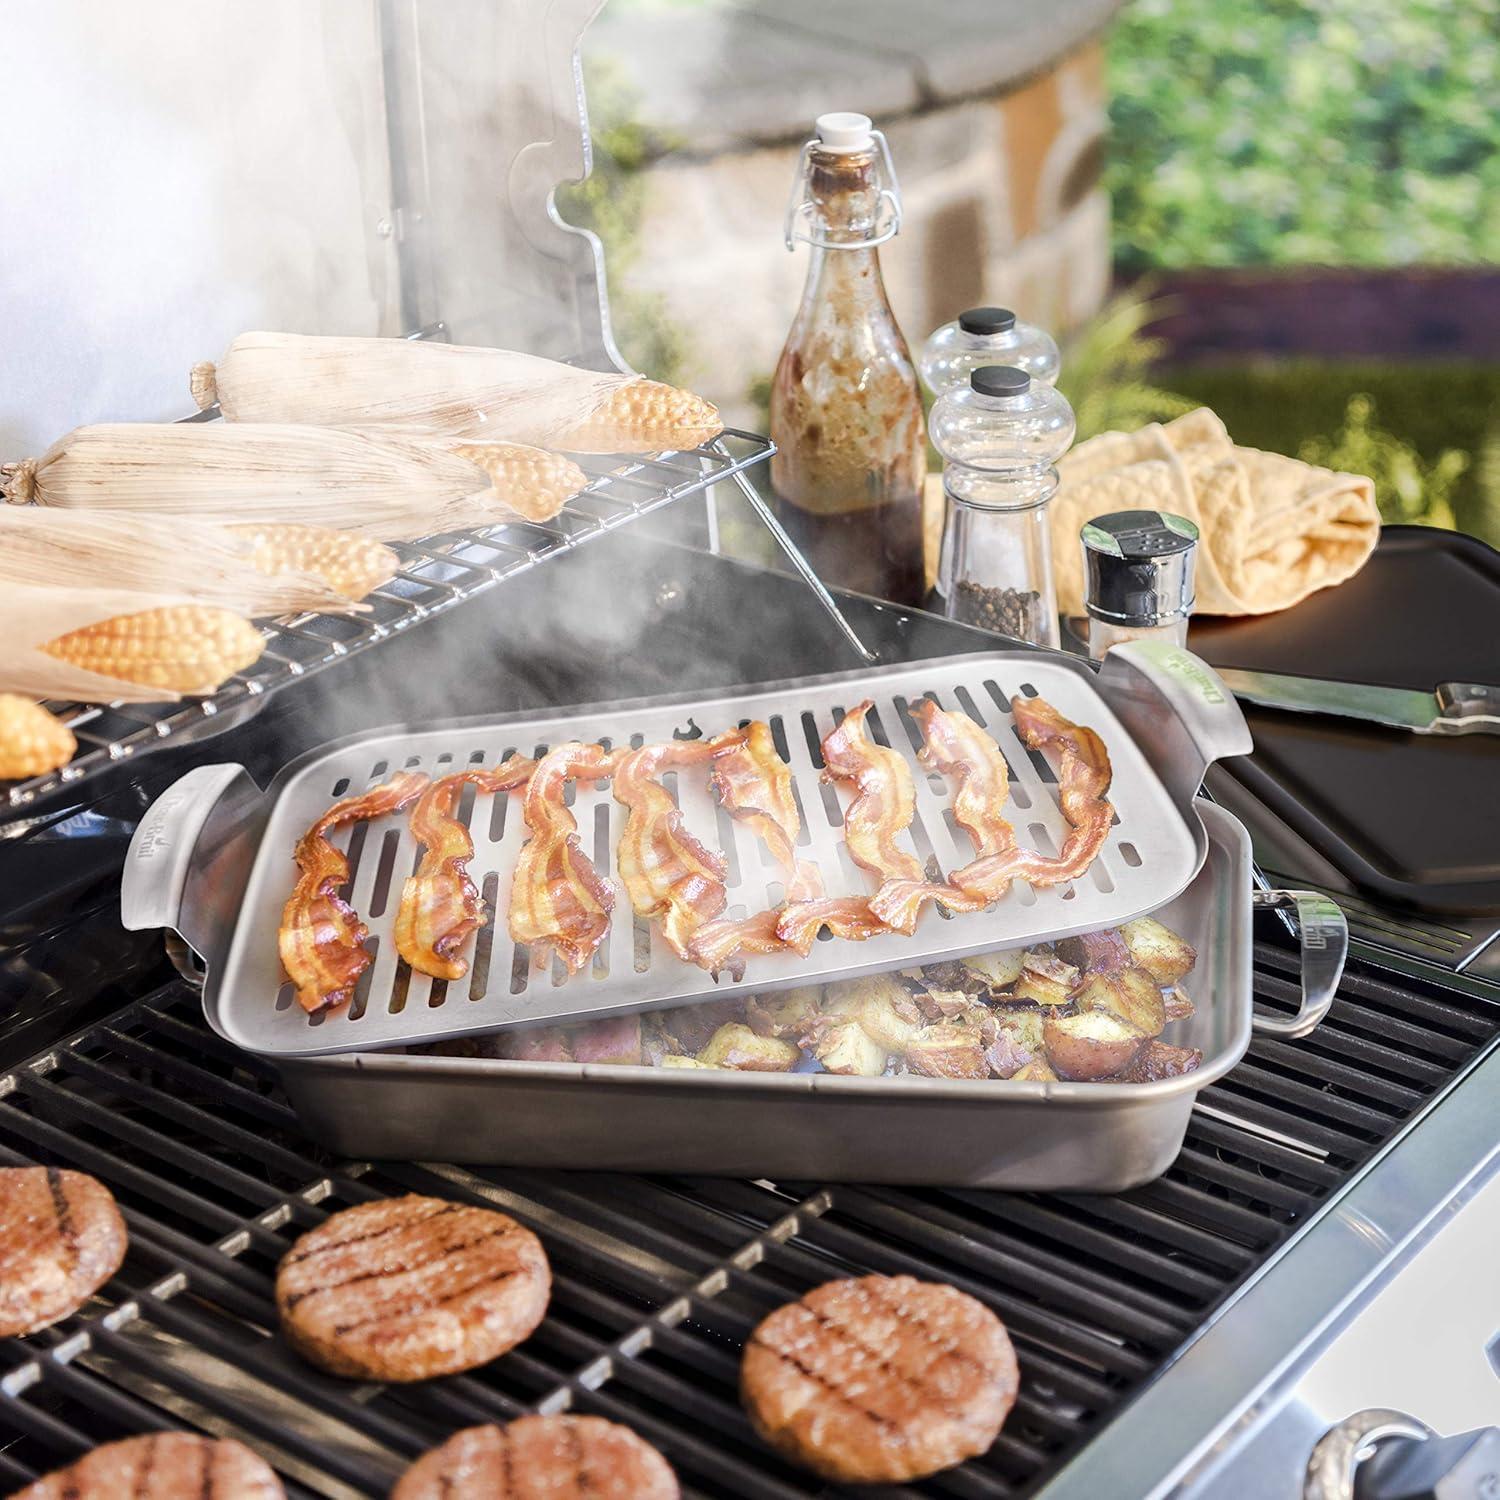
(1149, 858)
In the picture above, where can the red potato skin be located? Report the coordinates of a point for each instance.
(1082, 1059)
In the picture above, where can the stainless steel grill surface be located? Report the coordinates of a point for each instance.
(1151, 854)
(436, 573)
(659, 1280)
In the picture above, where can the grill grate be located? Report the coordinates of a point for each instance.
(436, 573)
(659, 1281)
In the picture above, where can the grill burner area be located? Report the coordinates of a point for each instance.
(659, 1280)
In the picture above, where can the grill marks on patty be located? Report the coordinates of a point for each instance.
(564, 1457)
(61, 1239)
(407, 1288)
(879, 1379)
(162, 1466)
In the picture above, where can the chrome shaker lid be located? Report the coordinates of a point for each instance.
(1138, 567)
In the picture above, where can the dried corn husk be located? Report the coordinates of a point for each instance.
(350, 565)
(32, 742)
(131, 550)
(452, 389)
(33, 617)
(380, 482)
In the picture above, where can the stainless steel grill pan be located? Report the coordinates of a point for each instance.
(213, 857)
(1074, 1137)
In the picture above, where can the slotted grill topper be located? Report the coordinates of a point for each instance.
(1152, 852)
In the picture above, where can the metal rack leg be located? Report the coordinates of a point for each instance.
(805, 568)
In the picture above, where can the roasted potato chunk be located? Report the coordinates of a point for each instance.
(947, 1051)
(842, 1045)
(1158, 950)
(1024, 1022)
(1045, 979)
(736, 1046)
(693, 1026)
(1158, 1060)
(877, 1003)
(1038, 1070)
(1179, 1004)
(677, 1060)
(998, 970)
(1007, 1054)
(1091, 1045)
(1130, 995)
(785, 1013)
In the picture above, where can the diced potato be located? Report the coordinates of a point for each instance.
(677, 1060)
(1131, 996)
(1025, 1023)
(1038, 1070)
(998, 970)
(1158, 1060)
(1179, 1004)
(842, 1045)
(1090, 1045)
(1158, 950)
(786, 1013)
(876, 1002)
(737, 1046)
(947, 1051)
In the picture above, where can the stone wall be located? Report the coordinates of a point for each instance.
(1002, 205)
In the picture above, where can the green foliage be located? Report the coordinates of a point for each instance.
(1107, 370)
(1406, 488)
(611, 201)
(1350, 132)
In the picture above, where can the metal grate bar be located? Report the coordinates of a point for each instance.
(299, 645)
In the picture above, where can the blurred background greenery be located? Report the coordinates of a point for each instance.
(1269, 140)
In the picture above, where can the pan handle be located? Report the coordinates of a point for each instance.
(155, 887)
(1324, 938)
(1177, 711)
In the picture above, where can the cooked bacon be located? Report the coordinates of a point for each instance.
(847, 917)
(321, 939)
(1083, 779)
(440, 905)
(754, 785)
(885, 801)
(669, 875)
(956, 746)
(558, 900)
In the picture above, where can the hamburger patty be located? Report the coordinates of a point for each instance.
(879, 1379)
(564, 1458)
(61, 1239)
(408, 1288)
(162, 1466)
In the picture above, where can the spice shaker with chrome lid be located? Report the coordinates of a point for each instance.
(1000, 435)
(986, 336)
(1138, 577)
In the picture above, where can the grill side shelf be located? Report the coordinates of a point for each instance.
(436, 574)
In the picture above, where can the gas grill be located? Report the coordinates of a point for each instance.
(659, 1279)
(1163, 1333)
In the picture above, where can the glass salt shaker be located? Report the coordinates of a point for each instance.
(986, 336)
(1000, 435)
(1138, 578)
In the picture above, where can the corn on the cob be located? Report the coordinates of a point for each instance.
(644, 416)
(535, 484)
(449, 388)
(350, 565)
(94, 549)
(31, 740)
(380, 482)
(187, 648)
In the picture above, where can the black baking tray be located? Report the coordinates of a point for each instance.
(1412, 819)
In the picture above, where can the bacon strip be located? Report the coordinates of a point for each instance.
(440, 905)
(558, 900)
(883, 807)
(321, 939)
(669, 875)
(754, 786)
(1083, 779)
(956, 746)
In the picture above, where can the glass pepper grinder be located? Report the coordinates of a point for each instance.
(986, 336)
(1138, 578)
(846, 409)
(1000, 435)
